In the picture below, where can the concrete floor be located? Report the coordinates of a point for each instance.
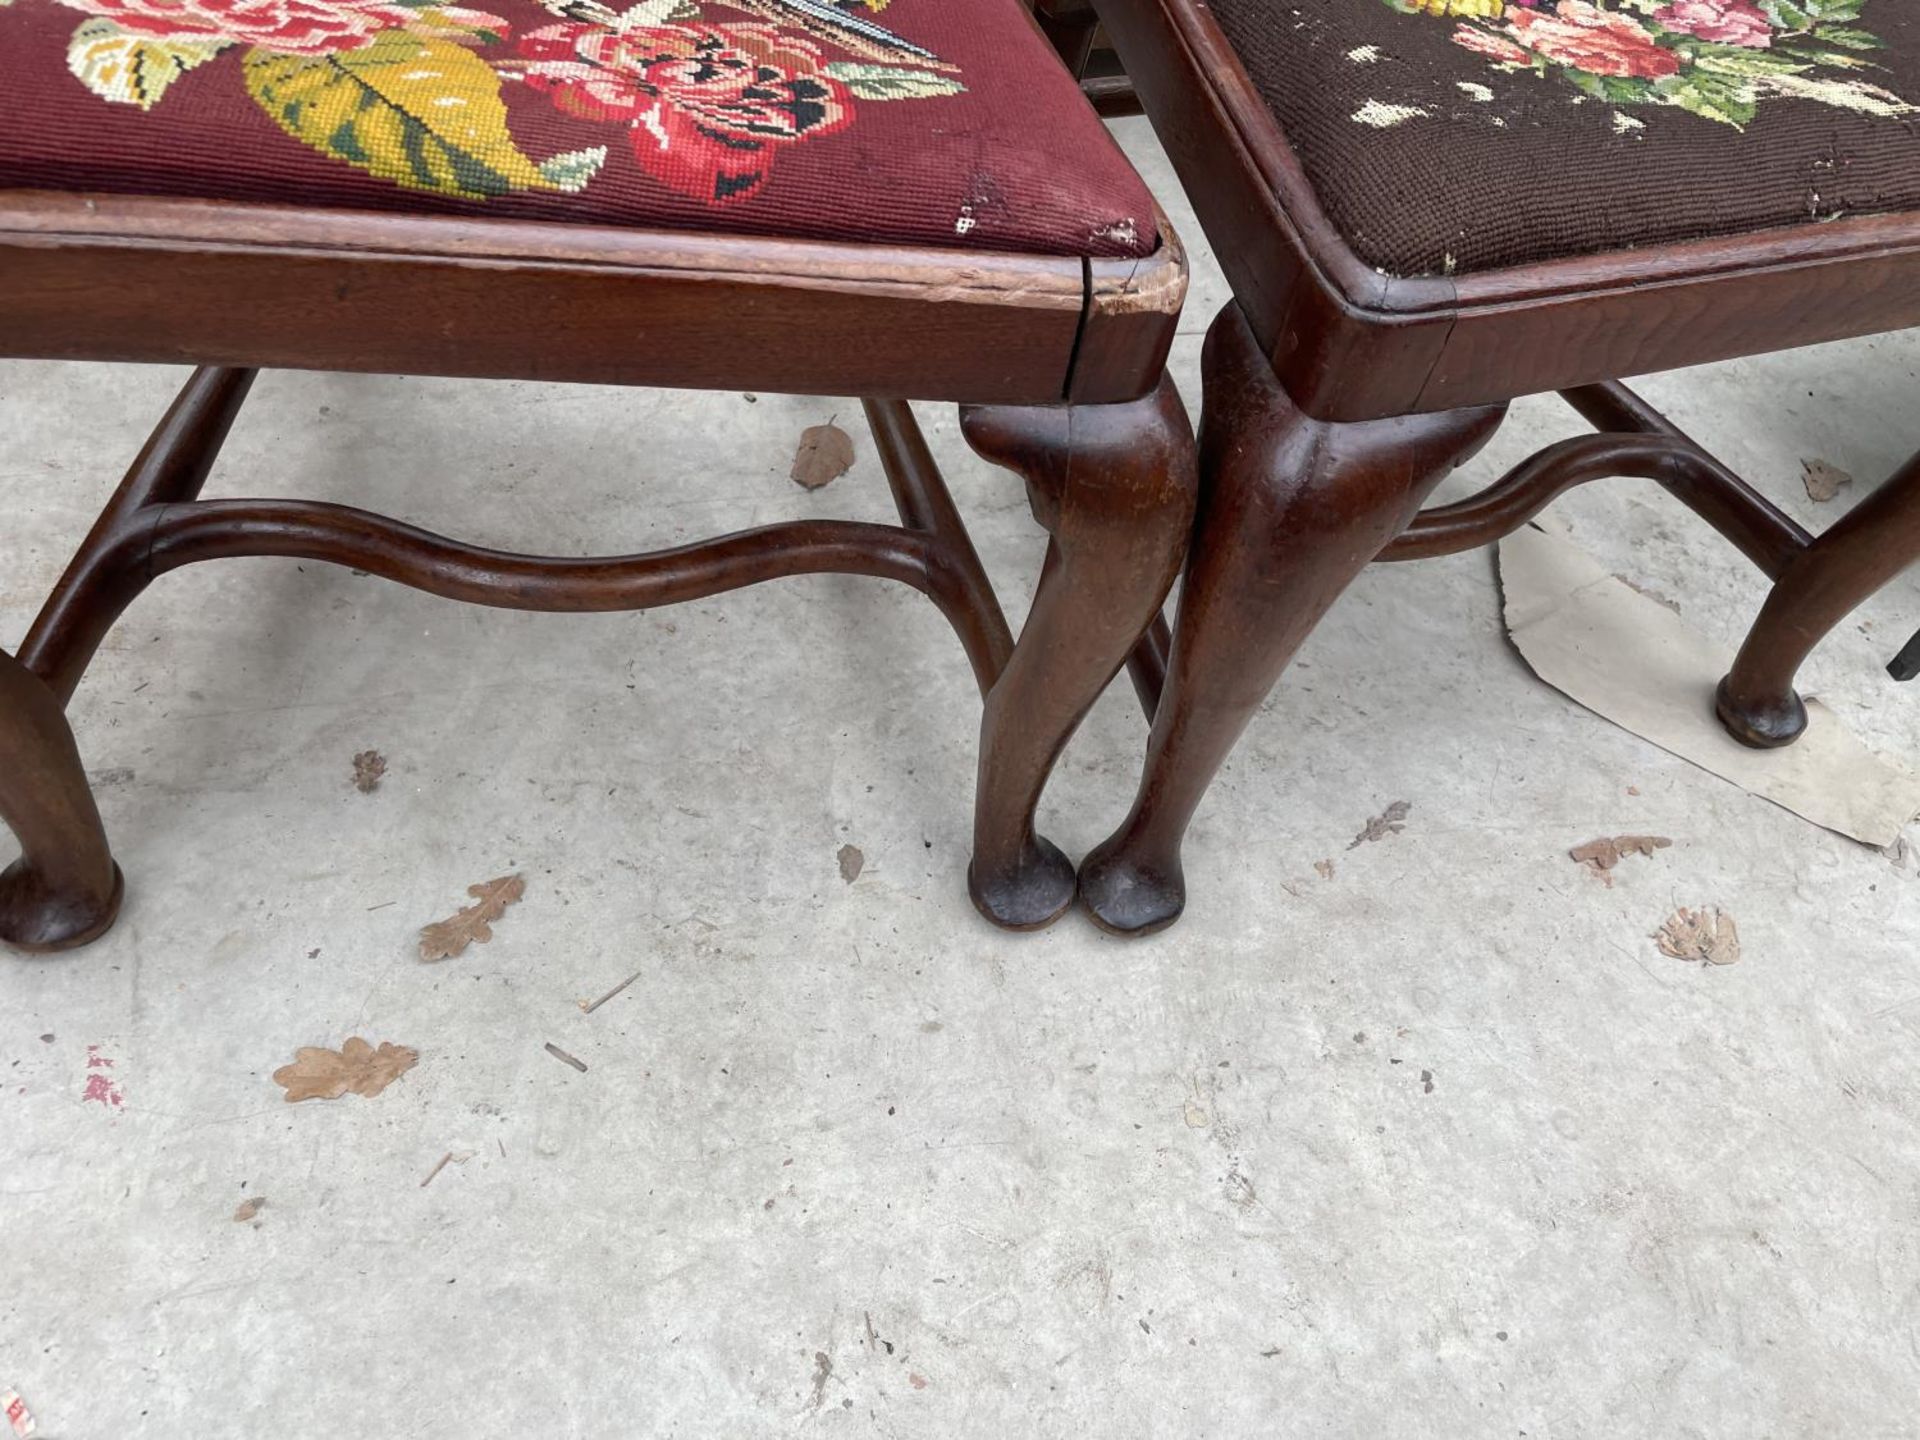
(1440, 1146)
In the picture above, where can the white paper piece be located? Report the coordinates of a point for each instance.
(15, 1409)
(1632, 660)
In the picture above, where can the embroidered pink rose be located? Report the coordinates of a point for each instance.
(704, 102)
(1725, 22)
(1494, 47)
(1601, 42)
(290, 27)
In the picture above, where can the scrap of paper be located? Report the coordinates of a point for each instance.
(1631, 659)
(18, 1416)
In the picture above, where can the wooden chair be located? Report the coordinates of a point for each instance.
(758, 195)
(1428, 209)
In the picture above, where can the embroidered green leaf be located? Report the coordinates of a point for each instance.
(892, 82)
(572, 171)
(132, 69)
(1731, 60)
(1617, 90)
(1848, 39)
(1709, 96)
(419, 110)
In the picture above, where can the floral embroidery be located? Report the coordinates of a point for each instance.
(1717, 58)
(412, 90)
(703, 104)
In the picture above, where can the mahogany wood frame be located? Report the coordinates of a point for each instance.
(1336, 398)
(1058, 363)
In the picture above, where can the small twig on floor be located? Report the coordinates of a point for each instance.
(372, 908)
(445, 1160)
(573, 1060)
(503, 1146)
(587, 1009)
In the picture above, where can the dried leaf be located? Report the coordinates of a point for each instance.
(1381, 826)
(1707, 935)
(852, 862)
(1325, 867)
(1600, 856)
(444, 939)
(250, 1208)
(825, 454)
(368, 767)
(318, 1074)
(1823, 481)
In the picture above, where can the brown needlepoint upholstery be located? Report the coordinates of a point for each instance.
(923, 122)
(1461, 135)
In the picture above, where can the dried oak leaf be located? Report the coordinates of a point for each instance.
(1823, 481)
(318, 1074)
(368, 767)
(1383, 825)
(1707, 935)
(826, 453)
(1600, 856)
(444, 939)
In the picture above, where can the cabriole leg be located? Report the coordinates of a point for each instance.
(1293, 508)
(1820, 587)
(64, 890)
(1114, 487)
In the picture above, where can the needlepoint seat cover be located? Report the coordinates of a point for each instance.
(1448, 136)
(919, 122)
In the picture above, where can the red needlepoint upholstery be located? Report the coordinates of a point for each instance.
(922, 122)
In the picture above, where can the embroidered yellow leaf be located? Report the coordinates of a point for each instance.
(419, 110)
(132, 69)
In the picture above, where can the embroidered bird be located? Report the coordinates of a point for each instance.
(843, 22)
